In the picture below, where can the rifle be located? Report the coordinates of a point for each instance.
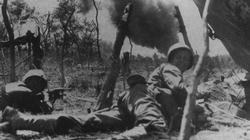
(56, 93)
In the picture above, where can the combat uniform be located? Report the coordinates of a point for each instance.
(134, 108)
(28, 94)
(166, 86)
(149, 107)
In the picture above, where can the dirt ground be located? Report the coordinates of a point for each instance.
(220, 124)
(222, 117)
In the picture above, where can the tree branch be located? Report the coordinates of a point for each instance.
(11, 38)
(97, 29)
(18, 41)
(106, 96)
(185, 131)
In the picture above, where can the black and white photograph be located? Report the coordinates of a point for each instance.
(125, 69)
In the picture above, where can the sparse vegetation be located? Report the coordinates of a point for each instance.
(73, 47)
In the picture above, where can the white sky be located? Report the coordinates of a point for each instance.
(107, 31)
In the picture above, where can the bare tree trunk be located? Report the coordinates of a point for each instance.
(125, 67)
(65, 36)
(59, 58)
(79, 56)
(4, 64)
(29, 54)
(57, 48)
(3, 71)
(11, 38)
(46, 42)
(97, 30)
(185, 131)
(38, 53)
(62, 66)
(106, 95)
(65, 42)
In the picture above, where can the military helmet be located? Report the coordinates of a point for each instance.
(179, 46)
(135, 79)
(35, 80)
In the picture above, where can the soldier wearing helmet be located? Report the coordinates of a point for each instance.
(142, 108)
(166, 85)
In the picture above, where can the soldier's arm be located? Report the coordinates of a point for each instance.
(168, 80)
(174, 79)
(164, 79)
(172, 76)
(155, 83)
(155, 78)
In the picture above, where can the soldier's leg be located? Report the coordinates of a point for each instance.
(143, 109)
(60, 124)
(98, 121)
(20, 121)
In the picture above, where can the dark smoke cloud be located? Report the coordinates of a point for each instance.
(85, 6)
(152, 22)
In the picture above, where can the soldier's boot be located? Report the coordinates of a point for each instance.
(20, 121)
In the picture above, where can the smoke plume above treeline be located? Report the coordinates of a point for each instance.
(152, 22)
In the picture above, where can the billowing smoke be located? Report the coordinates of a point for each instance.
(152, 22)
(85, 6)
